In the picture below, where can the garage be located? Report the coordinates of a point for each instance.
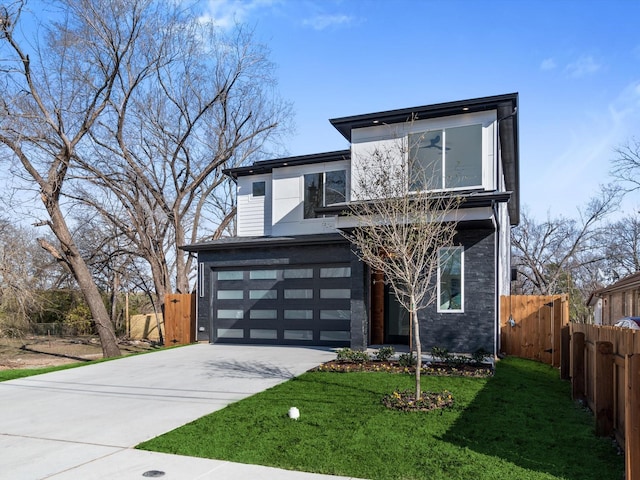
(297, 304)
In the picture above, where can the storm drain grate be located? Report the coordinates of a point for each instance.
(153, 473)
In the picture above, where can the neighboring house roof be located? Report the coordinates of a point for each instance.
(266, 166)
(626, 283)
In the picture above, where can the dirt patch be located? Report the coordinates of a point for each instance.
(48, 351)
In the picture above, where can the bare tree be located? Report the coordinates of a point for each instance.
(18, 280)
(564, 255)
(209, 105)
(626, 166)
(53, 97)
(401, 233)
(622, 247)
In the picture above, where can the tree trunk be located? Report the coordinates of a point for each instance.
(71, 256)
(416, 333)
(182, 274)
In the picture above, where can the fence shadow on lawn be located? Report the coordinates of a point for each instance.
(525, 416)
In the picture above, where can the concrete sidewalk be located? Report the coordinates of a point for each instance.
(82, 423)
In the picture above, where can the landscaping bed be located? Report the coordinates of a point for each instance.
(442, 363)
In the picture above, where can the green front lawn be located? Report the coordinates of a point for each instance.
(520, 424)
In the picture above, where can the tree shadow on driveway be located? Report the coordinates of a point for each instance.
(236, 369)
(525, 416)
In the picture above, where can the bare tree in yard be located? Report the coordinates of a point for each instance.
(209, 105)
(399, 232)
(21, 277)
(562, 255)
(53, 95)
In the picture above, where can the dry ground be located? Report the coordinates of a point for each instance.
(44, 351)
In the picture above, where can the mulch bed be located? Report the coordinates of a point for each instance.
(392, 366)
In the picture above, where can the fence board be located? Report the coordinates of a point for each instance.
(179, 319)
(617, 378)
(536, 329)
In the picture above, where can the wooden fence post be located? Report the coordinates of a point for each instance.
(577, 366)
(603, 401)
(632, 417)
(565, 353)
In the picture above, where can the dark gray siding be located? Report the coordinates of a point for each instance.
(475, 328)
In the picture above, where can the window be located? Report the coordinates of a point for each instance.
(322, 189)
(257, 189)
(450, 279)
(263, 294)
(298, 293)
(298, 273)
(230, 294)
(448, 158)
(230, 275)
(263, 274)
(335, 272)
(335, 293)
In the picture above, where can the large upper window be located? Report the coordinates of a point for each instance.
(322, 189)
(450, 279)
(447, 158)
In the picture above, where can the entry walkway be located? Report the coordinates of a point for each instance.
(82, 423)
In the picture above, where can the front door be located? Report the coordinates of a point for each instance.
(396, 319)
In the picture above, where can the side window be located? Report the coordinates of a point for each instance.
(313, 193)
(322, 189)
(258, 189)
(450, 279)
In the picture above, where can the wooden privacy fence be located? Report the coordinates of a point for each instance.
(530, 326)
(605, 374)
(180, 319)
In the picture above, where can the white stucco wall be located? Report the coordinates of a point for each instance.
(288, 199)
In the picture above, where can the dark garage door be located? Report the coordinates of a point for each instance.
(302, 304)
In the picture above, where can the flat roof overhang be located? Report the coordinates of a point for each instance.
(252, 242)
(267, 166)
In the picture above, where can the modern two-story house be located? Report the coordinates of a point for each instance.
(289, 277)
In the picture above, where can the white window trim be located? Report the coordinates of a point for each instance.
(462, 295)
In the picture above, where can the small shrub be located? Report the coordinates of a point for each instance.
(407, 360)
(384, 353)
(441, 354)
(343, 354)
(479, 355)
(352, 356)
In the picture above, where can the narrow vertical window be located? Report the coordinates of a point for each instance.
(450, 279)
(313, 193)
(201, 280)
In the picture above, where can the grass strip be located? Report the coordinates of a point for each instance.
(519, 424)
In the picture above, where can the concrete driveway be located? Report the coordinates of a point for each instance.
(82, 423)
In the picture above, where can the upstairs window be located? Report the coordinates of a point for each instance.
(445, 159)
(258, 189)
(322, 189)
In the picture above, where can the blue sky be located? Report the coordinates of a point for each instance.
(575, 64)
